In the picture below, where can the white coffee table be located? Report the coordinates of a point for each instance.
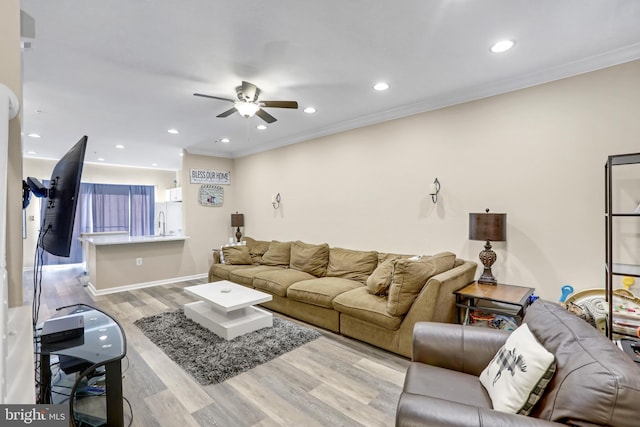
(227, 309)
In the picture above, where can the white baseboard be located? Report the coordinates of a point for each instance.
(95, 292)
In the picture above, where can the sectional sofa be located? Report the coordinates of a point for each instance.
(371, 296)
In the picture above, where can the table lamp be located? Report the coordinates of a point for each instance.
(490, 227)
(237, 220)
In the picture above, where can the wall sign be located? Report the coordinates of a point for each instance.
(201, 176)
(211, 195)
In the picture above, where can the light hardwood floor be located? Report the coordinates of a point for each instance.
(331, 381)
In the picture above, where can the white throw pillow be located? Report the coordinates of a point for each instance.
(518, 374)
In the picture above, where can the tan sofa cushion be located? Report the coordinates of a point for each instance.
(444, 261)
(359, 303)
(222, 271)
(244, 276)
(382, 256)
(236, 255)
(257, 248)
(279, 254)
(379, 281)
(277, 282)
(350, 264)
(321, 291)
(311, 259)
(409, 276)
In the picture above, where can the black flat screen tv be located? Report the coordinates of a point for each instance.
(56, 229)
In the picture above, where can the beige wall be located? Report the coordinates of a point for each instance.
(94, 173)
(207, 227)
(537, 154)
(11, 76)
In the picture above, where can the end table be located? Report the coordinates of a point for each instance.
(508, 300)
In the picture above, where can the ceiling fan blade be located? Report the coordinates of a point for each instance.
(279, 104)
(213, 97)
(249, 90)
(227, 113)
(265, 116)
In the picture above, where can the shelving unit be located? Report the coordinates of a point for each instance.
(614, 213)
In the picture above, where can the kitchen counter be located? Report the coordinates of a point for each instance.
(121, 262)
(125, 239)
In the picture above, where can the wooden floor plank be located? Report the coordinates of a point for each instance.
(187, 390)
(351, 407)
(166, 407)
(278, 409)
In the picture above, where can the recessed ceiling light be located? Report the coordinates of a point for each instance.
(261, 127)
(502, 46)
(100, 159)
(154, 164)
(31, 152)
(381, 86)
(120, 146)
(33, 135)
(310, 110)
(173, 131)
(181, 154)
(225, 140)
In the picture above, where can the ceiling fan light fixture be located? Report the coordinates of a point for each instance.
(246, 109)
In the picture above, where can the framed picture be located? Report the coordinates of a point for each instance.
(211, 195)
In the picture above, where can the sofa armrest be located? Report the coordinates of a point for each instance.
(216, 256)
(415, 410)
(467, 349)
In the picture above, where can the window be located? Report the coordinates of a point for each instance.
(104, 208)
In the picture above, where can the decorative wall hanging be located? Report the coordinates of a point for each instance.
(211, 195)
(201, 176)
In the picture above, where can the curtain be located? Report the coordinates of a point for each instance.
(110, 207)
(142, 210)
(107, 207)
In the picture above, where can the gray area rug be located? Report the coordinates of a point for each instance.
(210, 359)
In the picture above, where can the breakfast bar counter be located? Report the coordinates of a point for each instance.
(117, 263)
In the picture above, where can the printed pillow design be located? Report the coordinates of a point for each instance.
(519, 372)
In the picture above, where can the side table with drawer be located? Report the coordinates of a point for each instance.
(508, 300)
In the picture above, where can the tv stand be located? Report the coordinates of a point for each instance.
(103, 344)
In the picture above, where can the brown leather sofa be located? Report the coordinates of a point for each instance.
(595, 383)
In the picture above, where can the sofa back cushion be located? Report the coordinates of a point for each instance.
(278, 254)
(409, 277)
(236, 255)
(350, 264)
(311, 259)
(257, 248)
(595, 382)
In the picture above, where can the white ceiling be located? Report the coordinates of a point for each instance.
(124, 71)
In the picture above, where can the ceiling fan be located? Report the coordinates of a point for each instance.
(248, 104)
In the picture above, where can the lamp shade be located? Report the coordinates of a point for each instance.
(237, 220)
(488, 226)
